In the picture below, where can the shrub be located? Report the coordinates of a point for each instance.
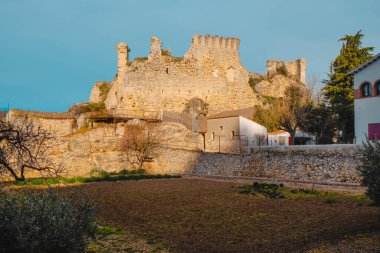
(98, 172)
(282, 71)
(370, 169)
(92, 107)
(34, 221)
(253, 81)
(268, 190)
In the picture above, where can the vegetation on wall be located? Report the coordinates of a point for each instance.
(92, 107)
(140, 59)
(104, 88)
(165, 52)
(281, 70)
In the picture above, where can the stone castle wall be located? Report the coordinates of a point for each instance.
(59, 124)
(210, 70)
(330, 164)
(100, 147)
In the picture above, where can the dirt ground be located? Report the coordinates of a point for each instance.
(188, 215)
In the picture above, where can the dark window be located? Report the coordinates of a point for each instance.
(377, 88)
(366, 90)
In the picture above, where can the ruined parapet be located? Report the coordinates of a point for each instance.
(99, 92)
(217, 46)
(122, 59)
(155, 49)
(293, 69)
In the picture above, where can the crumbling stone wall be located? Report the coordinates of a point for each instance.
(210, 71)
(332, 164)
(59, 124)
(100, 147)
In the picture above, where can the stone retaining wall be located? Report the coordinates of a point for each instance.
(325, 164)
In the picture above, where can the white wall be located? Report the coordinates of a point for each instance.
(223, 139)
(367, 110)
(274, 140)
(371, 73)
(255, 133)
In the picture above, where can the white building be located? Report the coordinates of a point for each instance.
(283, 138)
(367, 100)
(234, 132)
(279, 138)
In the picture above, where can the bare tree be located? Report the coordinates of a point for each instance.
(25, 145)
(141, 142)
(314, 89)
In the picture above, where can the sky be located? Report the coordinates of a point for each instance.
(53, 51)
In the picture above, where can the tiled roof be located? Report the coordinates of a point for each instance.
(278, 132)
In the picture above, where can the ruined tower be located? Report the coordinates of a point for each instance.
(122, 59)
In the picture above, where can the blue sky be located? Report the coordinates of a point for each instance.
(53, 51)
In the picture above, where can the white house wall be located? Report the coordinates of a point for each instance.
(367, 110)
(255, 133)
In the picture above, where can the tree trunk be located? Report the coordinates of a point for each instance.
(293, 138)
(13, 173)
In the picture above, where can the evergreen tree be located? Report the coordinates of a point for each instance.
(338, 90)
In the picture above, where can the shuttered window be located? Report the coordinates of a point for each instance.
(374, 131)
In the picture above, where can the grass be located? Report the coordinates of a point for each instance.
(109, 230)
(278, 191)
(97, 175)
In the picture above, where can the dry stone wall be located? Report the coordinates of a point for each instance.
(330, 164)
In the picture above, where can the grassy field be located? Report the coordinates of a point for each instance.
(186, 215)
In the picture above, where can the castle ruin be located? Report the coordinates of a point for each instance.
(210, 72)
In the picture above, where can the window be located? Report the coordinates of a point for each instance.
(374, 131)
(232, 134)
(377, 86)
(366, 89)
(221, 128)
(212, 136)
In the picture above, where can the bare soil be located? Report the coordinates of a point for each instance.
(188, 215)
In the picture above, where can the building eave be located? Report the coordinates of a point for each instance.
(366, 64)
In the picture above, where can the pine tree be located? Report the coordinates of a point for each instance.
(338, 90)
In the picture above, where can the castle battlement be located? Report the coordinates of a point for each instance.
(215, 42)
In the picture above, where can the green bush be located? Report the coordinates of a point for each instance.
(370, 169)
(92, 107)
(268, 190)
(99, 172)
(34, 221)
